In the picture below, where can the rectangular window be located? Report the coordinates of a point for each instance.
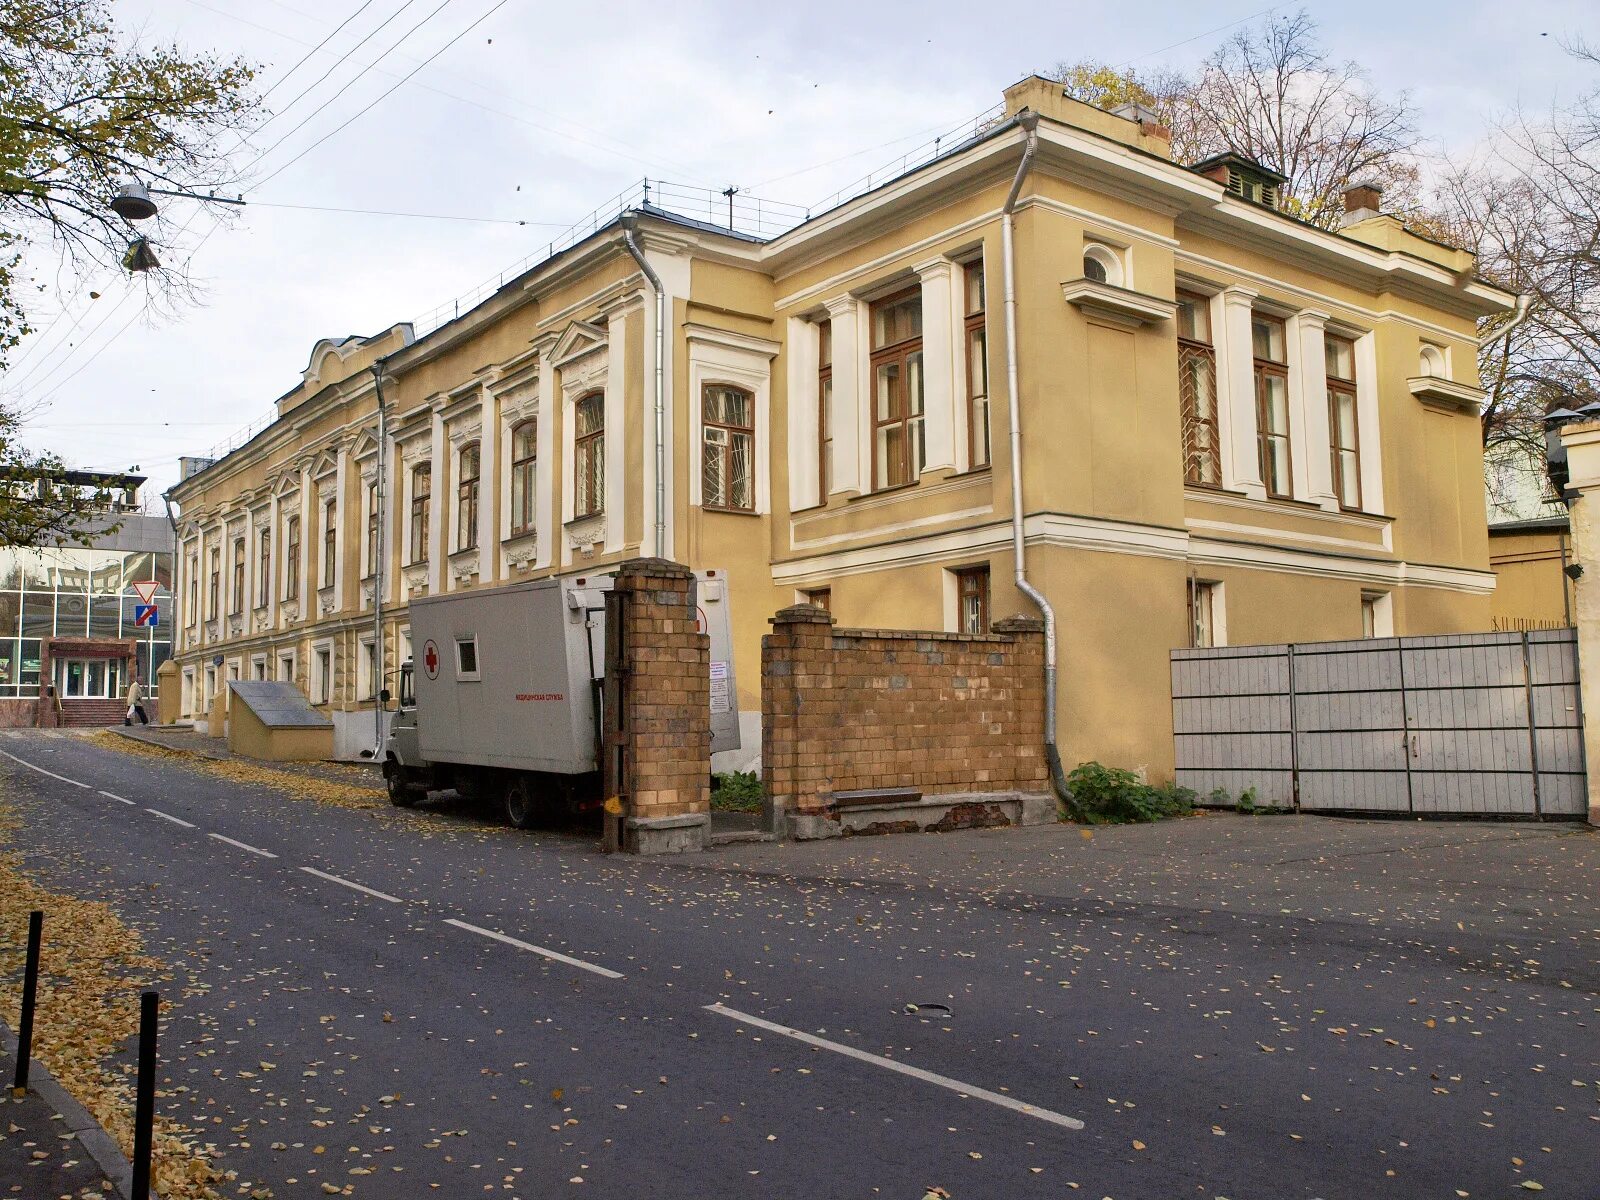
(421, 499)
(192, 568)
(367, 685)
(824, 411)
(291, 565)
(1344, 440)
(898, 446)
(467, 658)
(236, 592)
(1204, 615)
(818, 598)
(1377, 614)
(370, 565)
(263, 568)
(728, 424)
(286, 667)
(972, 600)
(1197, 392)
(214, 584)
(322, 675)
(589, 454)
(524, 469)
(469, 465)
(1272, 404)
(330, 542)
(977, 342)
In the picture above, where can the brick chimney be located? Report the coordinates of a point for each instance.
(1362, 200)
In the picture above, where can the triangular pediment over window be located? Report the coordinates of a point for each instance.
(578, 339)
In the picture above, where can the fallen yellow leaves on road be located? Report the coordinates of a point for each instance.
(293, 783)
(92, 969)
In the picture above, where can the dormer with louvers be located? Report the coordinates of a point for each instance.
(1244, 177)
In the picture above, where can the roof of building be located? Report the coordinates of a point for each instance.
(1558, 523)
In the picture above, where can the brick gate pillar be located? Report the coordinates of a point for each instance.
(663, 720)
(796, 675)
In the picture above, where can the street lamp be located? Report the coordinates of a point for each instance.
(133, 203)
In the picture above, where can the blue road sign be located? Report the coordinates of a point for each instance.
(146, 614)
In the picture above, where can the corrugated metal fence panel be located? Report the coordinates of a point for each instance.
(1464, 723)
(1231, 719)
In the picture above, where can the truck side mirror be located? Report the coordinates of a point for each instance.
(383, 696)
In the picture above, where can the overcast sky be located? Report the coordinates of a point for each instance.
(543, 112)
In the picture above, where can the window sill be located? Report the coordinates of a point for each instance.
(730, 512)
(582, 517)
(885, 491)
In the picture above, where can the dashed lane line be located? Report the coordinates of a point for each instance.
(114, 796)
(359, 887)
(889, 1064)
(554, 955)
(156, 812)
(42, 771)
(243, 845)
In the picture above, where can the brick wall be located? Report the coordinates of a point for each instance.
(954, 716)
(662, 706)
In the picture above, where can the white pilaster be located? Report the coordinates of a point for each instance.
(1368, 424)
(489, 477)
(1309, 443)
(275, 515)
(201, 584)
(939, 343)
(851, 450)
(1237, 385)
(548, 475)
(803, 344)
(618, 330)
(341, 497)
(308, 541)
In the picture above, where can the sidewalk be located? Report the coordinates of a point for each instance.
(187, 741)
(49, 1146)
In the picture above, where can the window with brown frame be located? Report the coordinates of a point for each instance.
(214, 588)
(524, 469)
(1344, 434)
(469, 465)
(263, 568)
(824, 405)
(728, 434)
(192, 569)
(589, 455)
(236, 592)
(371, 559)
(977, 343)
(1268, 339)
(330, 543)
(898, 447)
(291, 563)
(972, 600)
(1197, 391)
(421, 499)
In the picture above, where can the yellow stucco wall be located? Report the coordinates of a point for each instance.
(1531, 589)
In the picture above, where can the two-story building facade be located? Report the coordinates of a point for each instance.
(1222, 424)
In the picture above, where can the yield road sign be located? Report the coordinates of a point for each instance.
(146, 614)
(146, 591)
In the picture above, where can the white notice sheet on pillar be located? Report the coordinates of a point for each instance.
(721, 701)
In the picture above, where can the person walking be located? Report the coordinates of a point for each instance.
(135, 705)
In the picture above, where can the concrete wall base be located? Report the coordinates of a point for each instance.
(354, 732)
(668, 835)
(937, 814)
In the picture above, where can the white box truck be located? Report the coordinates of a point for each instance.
(501, 700)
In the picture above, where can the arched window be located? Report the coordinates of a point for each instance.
(1431, 362)
(467, 497)
(1102, 264)
(421, 496)
(589, 455)
(728, 461)
(524, 466)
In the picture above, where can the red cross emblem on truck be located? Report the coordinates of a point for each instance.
(430, 659)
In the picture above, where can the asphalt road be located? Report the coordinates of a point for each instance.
(1237, 1007)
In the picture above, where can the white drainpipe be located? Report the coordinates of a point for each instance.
(661, 371)
(1029, 122)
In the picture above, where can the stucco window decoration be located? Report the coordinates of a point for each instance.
(728, 460)
(1431, 362)
(1102, 264)
(589, 455)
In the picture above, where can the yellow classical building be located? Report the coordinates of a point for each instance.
(1200, 420)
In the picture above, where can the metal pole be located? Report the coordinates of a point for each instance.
(144, 1102)
(30, 992)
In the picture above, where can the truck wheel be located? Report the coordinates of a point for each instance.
(522, 809)
(401, 794)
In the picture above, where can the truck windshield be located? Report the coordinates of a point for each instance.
(408, 697)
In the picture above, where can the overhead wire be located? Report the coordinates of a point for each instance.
(306, 57)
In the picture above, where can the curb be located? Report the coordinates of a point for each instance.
(144, 741)
(96, 1142)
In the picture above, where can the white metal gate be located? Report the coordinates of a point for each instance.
(1485, 723)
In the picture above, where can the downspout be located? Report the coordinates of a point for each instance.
(1524, 308)
(1029, 122)
(380, 566)
(632, 243)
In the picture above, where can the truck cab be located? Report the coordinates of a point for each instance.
(403, 764)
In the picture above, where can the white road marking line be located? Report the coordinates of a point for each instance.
(114, 796)
(360, 887)
(243, 846)
(42, 771)
(521, 945)
(944, 1081)
(156, 812)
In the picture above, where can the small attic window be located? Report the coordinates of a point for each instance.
(1244, 177)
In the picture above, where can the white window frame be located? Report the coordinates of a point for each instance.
(1113, 258)
(258, 667)
(1217, 594)
(1382, 613)
(738, 360)
(322, 671)
(286, 657)
(475, 675)
(367, 668)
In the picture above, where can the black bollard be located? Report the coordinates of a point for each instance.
(30, 996)
(144, 1102)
